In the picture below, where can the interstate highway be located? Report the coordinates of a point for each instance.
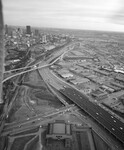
(34, 121)
(108, 121)
(112, 124)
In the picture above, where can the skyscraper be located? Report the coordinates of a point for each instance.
(44, 40)
(36, 32)
(6, 29)
(28, 29)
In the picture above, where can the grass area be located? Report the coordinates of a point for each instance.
(49, 98)
(83, 141)
(1, 109)
(23, 113)
(3, 142)
(34, 144)
(46, 95)
(14, 109)
(16, 105)
(19, 143)
(99, 143)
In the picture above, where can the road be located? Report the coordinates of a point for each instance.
(42, 64)
(34, 121)
(108, 121)
(112, 124)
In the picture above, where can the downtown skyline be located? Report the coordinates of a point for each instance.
(80, 14)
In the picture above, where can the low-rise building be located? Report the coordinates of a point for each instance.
(120, 78)
(79, 81)
(107, 88)
(109, 84)
(99, 94)
(59, 130)
(66, 75)
(117, 84)
(101, 72)
(86, 90)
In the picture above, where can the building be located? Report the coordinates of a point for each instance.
(107, 88)
(6, 29)
(44, 40)
(80, 81)
(36, 32)
(117, 84)
(28, 29)
(103, 72)
(120, 78)
(86, 90)
(59, 130)
(99, 94)
(66, 75)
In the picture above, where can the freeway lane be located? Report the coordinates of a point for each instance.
(16, 124)
(112, 124)
(99, 114)
(102, 112)
(34, 121)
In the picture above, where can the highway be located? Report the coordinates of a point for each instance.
(42, 64)
(34, 121)
(108, 121)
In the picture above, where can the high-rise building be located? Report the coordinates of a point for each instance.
(44, 40)
(28, 29)
(36, 32)
(6, 29)
(18, 30)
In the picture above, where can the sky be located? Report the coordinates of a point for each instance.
(74, 14)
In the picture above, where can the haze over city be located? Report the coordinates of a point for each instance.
(74, 14)
(62, 75)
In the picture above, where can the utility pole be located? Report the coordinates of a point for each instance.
(1, 52)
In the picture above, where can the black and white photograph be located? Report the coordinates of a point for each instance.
(61, 74)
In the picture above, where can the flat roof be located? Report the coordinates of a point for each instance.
(66, 75)
(59, 128)
(98, 92)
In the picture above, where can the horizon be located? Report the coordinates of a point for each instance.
(57, 28)
(97, 15)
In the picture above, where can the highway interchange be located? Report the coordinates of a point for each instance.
(108, 121)
(34, 121)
